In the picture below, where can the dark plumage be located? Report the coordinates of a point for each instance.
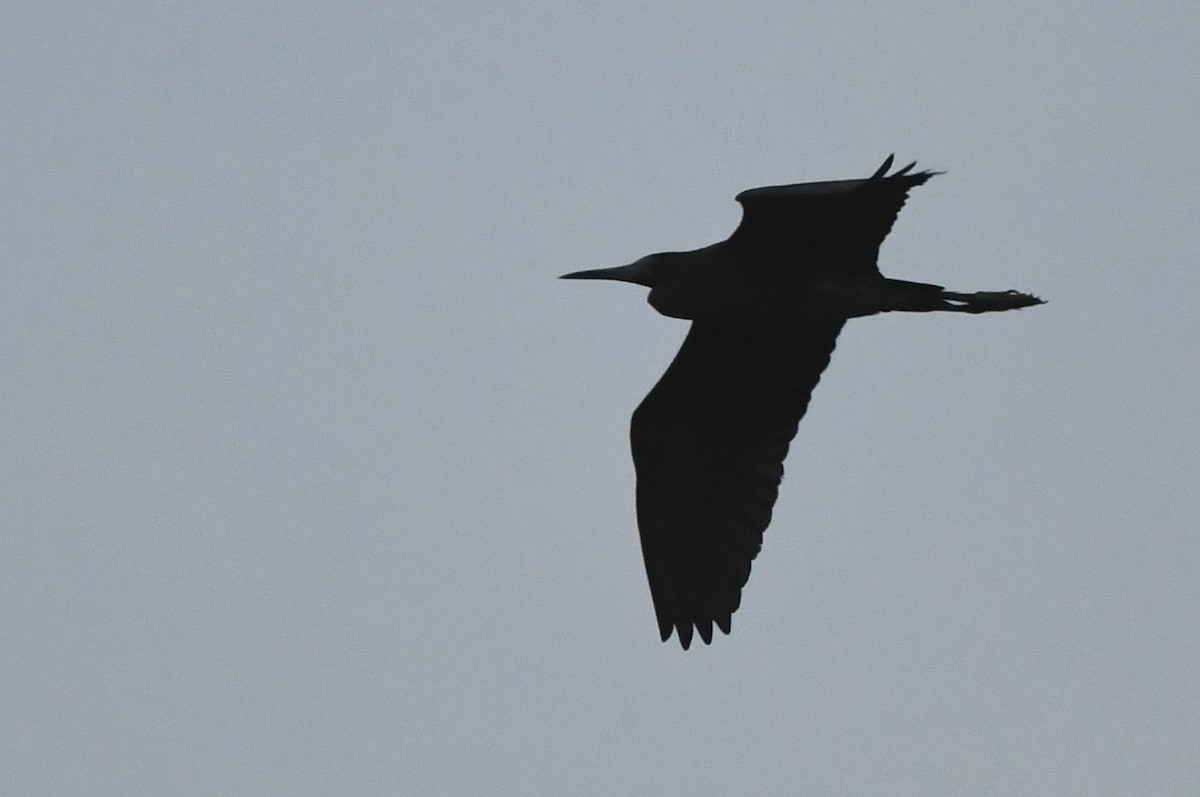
(766, 306)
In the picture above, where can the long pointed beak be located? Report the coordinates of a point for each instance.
(636, 273)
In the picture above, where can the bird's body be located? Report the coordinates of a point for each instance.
(767, 306)
(699, 285)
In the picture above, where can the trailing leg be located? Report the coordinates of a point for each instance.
(987, 301)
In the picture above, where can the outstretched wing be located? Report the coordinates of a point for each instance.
(708, 445)
(833, 227)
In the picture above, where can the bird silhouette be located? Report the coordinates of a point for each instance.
(766, 307)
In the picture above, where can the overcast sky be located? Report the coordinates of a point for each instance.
(315, 480)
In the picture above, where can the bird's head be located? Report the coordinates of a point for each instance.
(646, 271)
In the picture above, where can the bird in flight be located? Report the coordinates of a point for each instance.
(766, 307)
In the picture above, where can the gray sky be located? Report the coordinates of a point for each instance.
(316, 481)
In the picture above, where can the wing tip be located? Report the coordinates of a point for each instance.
(687, 630)
(915, 178)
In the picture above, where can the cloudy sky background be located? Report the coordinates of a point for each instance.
(315, 480)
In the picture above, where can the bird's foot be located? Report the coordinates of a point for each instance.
(988, 301)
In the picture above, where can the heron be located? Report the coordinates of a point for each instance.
(766, 306)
